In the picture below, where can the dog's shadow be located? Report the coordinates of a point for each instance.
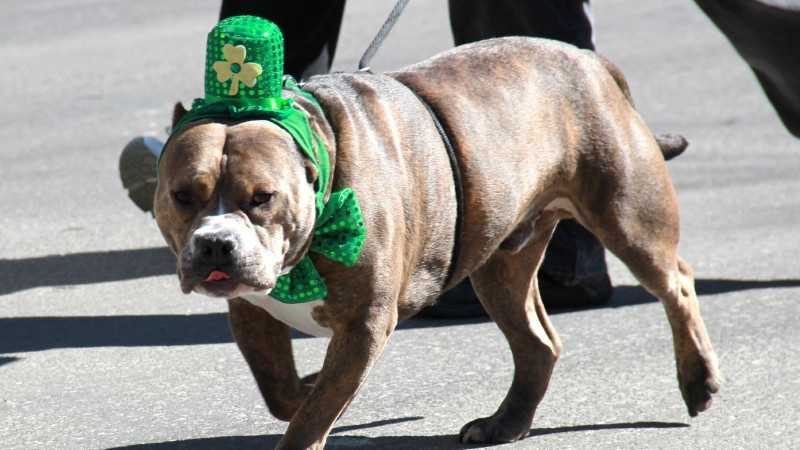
(28, 334)
(119, 265)
(334, 442)
(337, 440)
(84, 268)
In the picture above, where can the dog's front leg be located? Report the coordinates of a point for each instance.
(354, 348)
(267, 347)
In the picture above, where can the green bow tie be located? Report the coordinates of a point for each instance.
(339, 236)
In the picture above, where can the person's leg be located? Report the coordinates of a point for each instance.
(310, 32)
(574, 271)
(563, 20)
(767, 35)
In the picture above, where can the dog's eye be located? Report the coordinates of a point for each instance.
(260, 198)
(183, 198)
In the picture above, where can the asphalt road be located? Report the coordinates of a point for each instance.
(99, 349)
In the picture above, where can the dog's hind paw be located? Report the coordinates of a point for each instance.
(698, 381)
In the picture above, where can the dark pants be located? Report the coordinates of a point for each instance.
(574, 254)
(767, 35)
(562, 20)
(310, 30)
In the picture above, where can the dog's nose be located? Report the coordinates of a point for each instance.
(214, 250)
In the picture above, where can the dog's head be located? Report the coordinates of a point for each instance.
(235, 203)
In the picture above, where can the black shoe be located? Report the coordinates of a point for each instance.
(457, 303)
(589, 292)
(461, 301)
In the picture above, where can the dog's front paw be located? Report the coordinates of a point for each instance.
(492, 430)
(285, 402)
(698, 377)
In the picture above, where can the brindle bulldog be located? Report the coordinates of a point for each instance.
(541, 130)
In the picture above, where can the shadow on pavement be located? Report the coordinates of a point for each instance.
(606, 426)
(377, 423)
(628, 295)
(7, 359)
(445, 442)
(335, 440)
(711, 286)
(118, 265)
(29, 334)
(84, 268)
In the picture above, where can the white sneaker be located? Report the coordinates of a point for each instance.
(138, 170)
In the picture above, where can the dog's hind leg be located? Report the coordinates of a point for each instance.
(507, 288)
(665, 275)
(638, 221)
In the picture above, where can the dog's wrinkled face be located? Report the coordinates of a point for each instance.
(235, 203)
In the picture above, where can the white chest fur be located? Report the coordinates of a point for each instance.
(296, 315)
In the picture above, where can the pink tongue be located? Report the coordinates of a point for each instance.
(217, 275)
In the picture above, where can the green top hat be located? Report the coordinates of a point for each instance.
(244, 81)
(244, 62)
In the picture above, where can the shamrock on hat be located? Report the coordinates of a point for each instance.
(244, 63)
(235, 69)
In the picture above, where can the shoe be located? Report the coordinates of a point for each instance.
(587, 293)
(138, 170)
(461, 302)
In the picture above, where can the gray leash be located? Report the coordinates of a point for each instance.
(363, 64)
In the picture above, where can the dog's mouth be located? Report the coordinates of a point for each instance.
(244, 273)
(217, 275)
(218, 283)
(222, 283)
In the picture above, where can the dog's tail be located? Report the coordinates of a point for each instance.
(671, 145)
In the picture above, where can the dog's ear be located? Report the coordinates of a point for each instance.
(311, 172)
(177, 113)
